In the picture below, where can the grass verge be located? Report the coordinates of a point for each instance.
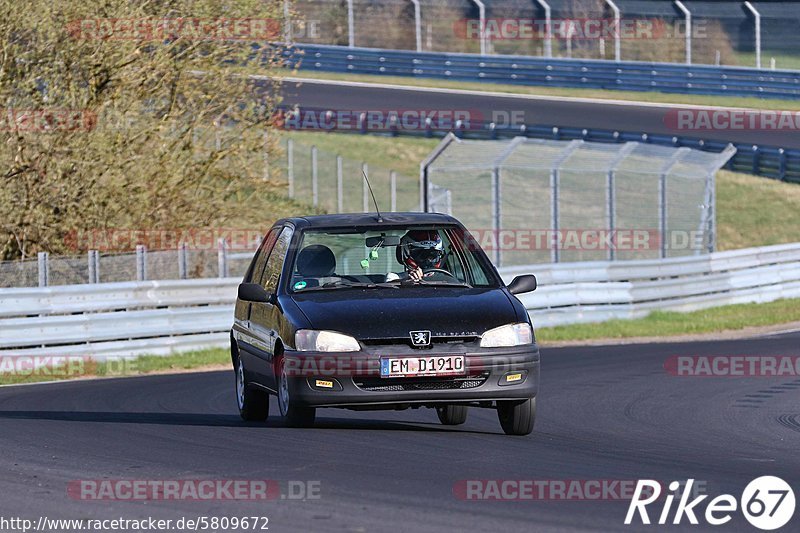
(671, 323)
(603, 94)
(57, 369)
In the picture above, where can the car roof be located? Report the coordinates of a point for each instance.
(345, 220)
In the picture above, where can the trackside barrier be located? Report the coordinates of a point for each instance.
(761, 160)
(549, 72)
(160, 317)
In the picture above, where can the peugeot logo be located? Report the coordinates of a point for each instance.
(420, 338)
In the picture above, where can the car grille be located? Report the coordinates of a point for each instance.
(418, 384)
(435, 342)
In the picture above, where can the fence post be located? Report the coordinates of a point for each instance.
(314, 177)
(662, 212)
(351, 33)
(141, 262)
(757, 21)
(183, 264)
(287, 21)
(662, 195)
(290, 165)
(612, 219)
(482, 21)
(611, 195)
(617, 49)
(712, 234)
(555, 186)
(44, 269)
(417, 25)
(496, 213)
(393, 186)
(94, 266)
(339, 184)
(222, 258)
(688, 15)
(548, 24)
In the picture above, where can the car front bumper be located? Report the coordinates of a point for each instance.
(354, 380)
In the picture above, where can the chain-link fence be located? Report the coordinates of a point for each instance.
(536, 201)
(334, 184)
(725, 32)
(141, 265)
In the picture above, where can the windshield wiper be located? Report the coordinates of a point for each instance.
(410, 283)
(342, 284)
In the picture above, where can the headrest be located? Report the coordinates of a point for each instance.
(316, 261)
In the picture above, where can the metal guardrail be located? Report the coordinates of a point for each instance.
(598, 291)
(548, 72)
(159, 317)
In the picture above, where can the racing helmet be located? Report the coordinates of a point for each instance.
(421, 248)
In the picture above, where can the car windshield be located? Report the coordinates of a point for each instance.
(392, 258)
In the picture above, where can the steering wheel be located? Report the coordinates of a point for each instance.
(440, 270)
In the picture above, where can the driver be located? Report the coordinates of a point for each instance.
(422, 254)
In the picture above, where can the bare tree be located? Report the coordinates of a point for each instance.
(134, 114)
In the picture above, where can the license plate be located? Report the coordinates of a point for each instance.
(437, 365)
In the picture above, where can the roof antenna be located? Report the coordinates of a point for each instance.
(364, 172)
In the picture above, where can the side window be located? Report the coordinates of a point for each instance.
(272, 272)
(453, 263)
(257, 266)
(467, 248)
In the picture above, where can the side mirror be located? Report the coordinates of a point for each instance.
(522, 284)
(253, 292)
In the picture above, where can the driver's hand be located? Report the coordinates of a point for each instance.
(416, 274)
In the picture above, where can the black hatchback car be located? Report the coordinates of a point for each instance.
(393, 311)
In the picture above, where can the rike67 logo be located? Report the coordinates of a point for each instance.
(767, 503)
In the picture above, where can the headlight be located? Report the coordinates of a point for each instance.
(509, 335)
(309, 340)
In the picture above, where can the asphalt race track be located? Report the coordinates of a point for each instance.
(565, 112)
(605, 413)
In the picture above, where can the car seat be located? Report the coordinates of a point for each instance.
(315, 263)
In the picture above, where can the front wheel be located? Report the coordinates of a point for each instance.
(452, 415)
(253, 403)
(294, 415)
(517, 416)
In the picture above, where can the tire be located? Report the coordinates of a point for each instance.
(452, 415)
(517, 416)
(253, 403)
(295, 416)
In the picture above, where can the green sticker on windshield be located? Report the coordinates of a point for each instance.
(300, 285)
